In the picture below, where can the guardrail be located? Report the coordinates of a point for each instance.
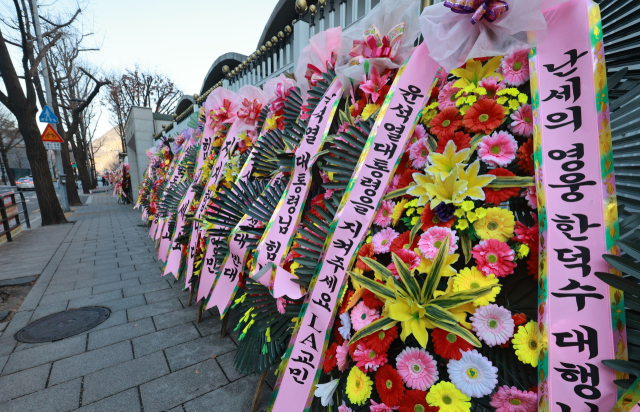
(10, 214)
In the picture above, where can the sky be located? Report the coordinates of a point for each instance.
(180, 39)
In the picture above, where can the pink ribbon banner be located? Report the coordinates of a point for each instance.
(575, 310)
(226, 283)
(376, 166)
(205, 149)
(208, 275)
(280, 230)
(176, 176)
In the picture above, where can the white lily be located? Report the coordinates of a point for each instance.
(325, 391)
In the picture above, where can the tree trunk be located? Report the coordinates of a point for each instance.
(78, 154)
(5, 160)
(72, 187)
(50, 208)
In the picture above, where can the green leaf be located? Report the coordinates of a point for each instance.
(455, 299)
(376, 288)
(434, 311)
(503, 182)
(414, 231)
(375, 326)
(405, 274)
(379, 269)
(623, 366)
(465, 241)
(475, 140)
(433, 278)
(458, 331)
(625, 265)
(397, 193)
(625, 285)
(632, 248)
(432, 143)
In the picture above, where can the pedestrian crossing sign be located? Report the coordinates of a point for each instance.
(50, 135)
(47, 116)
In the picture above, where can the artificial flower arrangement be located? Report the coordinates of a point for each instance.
(442, 297)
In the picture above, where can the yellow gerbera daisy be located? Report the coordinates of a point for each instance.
(525, 342)
(448, 398)
(472, 278)
(369, 110)
(358, 386)
(398, 210)
(497, 224)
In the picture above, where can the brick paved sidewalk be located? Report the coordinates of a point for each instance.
(149, 356)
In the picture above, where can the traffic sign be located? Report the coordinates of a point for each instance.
(50, 135)
(47, 115)
(52, 146)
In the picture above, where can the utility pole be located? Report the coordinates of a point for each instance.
(47, 86)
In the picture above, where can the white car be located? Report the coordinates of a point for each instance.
(25, 183)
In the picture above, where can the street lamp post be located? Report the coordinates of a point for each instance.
(47, 87)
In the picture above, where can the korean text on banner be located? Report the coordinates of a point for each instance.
(281, 228)
(578, 213)
(379, 159)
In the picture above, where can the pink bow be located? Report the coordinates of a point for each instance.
(376, 46)
(490, 10)
(281, 95)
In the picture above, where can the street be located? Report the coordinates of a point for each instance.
(33, 209)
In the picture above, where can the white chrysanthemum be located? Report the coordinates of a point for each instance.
(493, 324)
(325, 391)
(474, 375)
(345, 329)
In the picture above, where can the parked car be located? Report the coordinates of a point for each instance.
(25, 183)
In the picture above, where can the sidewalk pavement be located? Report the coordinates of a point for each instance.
(149, 356)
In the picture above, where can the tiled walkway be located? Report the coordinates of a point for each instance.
(150, 355)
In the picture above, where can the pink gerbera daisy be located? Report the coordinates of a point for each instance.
(530, 194)
(493, 324)
(499, 149)
(382, 240)
(515, 67)
(522, 121)
(419, 132)
(281, 305)
(447, 96)
(494, 257)
(362, 315)
(341, 356)
(409, 257)
(507, 399)
(344, 408)
(431, 240)
(384, 215)
(492, 85)
(379, 407)
(419, 153)
(524, 234)
(367, 359)
(394, 184)
(441, 75)
(416, 368)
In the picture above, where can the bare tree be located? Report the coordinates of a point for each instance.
(74, 90)
(10, 138)
(24, 89)
(138, 88)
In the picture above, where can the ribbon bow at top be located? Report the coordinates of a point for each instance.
(490, 10)
(376, 46)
